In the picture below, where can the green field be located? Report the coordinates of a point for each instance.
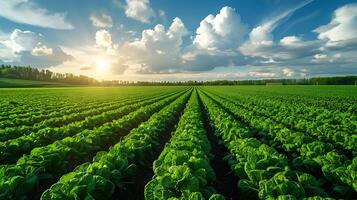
(20, 83)
(173, 142)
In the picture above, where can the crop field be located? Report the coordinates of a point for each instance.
(179, 142)
(18, 83)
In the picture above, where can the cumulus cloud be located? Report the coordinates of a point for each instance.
(290, 41)
(23, 40)
(30, 48)
(41, 51)
(157, 50)
(343, 26)
(101, 20)
(221, 32)
(340, 33)
(27, 12)
(216, 42)
(219, 42)
(103, 38)
(139, 10)
(340, 40)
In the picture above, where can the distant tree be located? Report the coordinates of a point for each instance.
(29, 73)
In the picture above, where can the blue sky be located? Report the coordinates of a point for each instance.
(182, 39)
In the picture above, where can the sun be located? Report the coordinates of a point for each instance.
(102, 65)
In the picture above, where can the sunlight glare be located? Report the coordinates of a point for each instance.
(102, 65)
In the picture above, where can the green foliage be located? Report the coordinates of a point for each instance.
(118, 165)
(282, 142)
(20, 83)
(182, 170)
(45, 162)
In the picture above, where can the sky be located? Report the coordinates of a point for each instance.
(172, 40)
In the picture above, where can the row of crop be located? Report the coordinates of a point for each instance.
(17, 104)
(183, 169)
(23, 102)
(309, 154)
(293, 113)
(33, 103)
(75, 117)
(299, 103)
(348, 174)
(75, 106)
(19, 112)
(320, 125)
(11, 150)
(44, 164)
(263, 172)
(331, 102)
(334, 102)
(335, 99)
(114, 169)
(31, 118)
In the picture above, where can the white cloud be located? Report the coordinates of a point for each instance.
(27, 12)
(216, 42)
(157, 51)
(259, 74)
(221, 41)
(331, 57)
(266, 72)
(274, 71)
(23, 40)
(261, 42)
(343, 26)
(3, 35)
(325, 55)
(262, 32)
(103, 38)
(221, 32)
(320, 56)
(5, 53)
(101, 20)
(30, 48)
(42, 51)
(290, 41)
(288, 48)
(139, 10)
(340, 35)
(340, 40)
(288, 72)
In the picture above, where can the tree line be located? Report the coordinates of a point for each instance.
(30, 73)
